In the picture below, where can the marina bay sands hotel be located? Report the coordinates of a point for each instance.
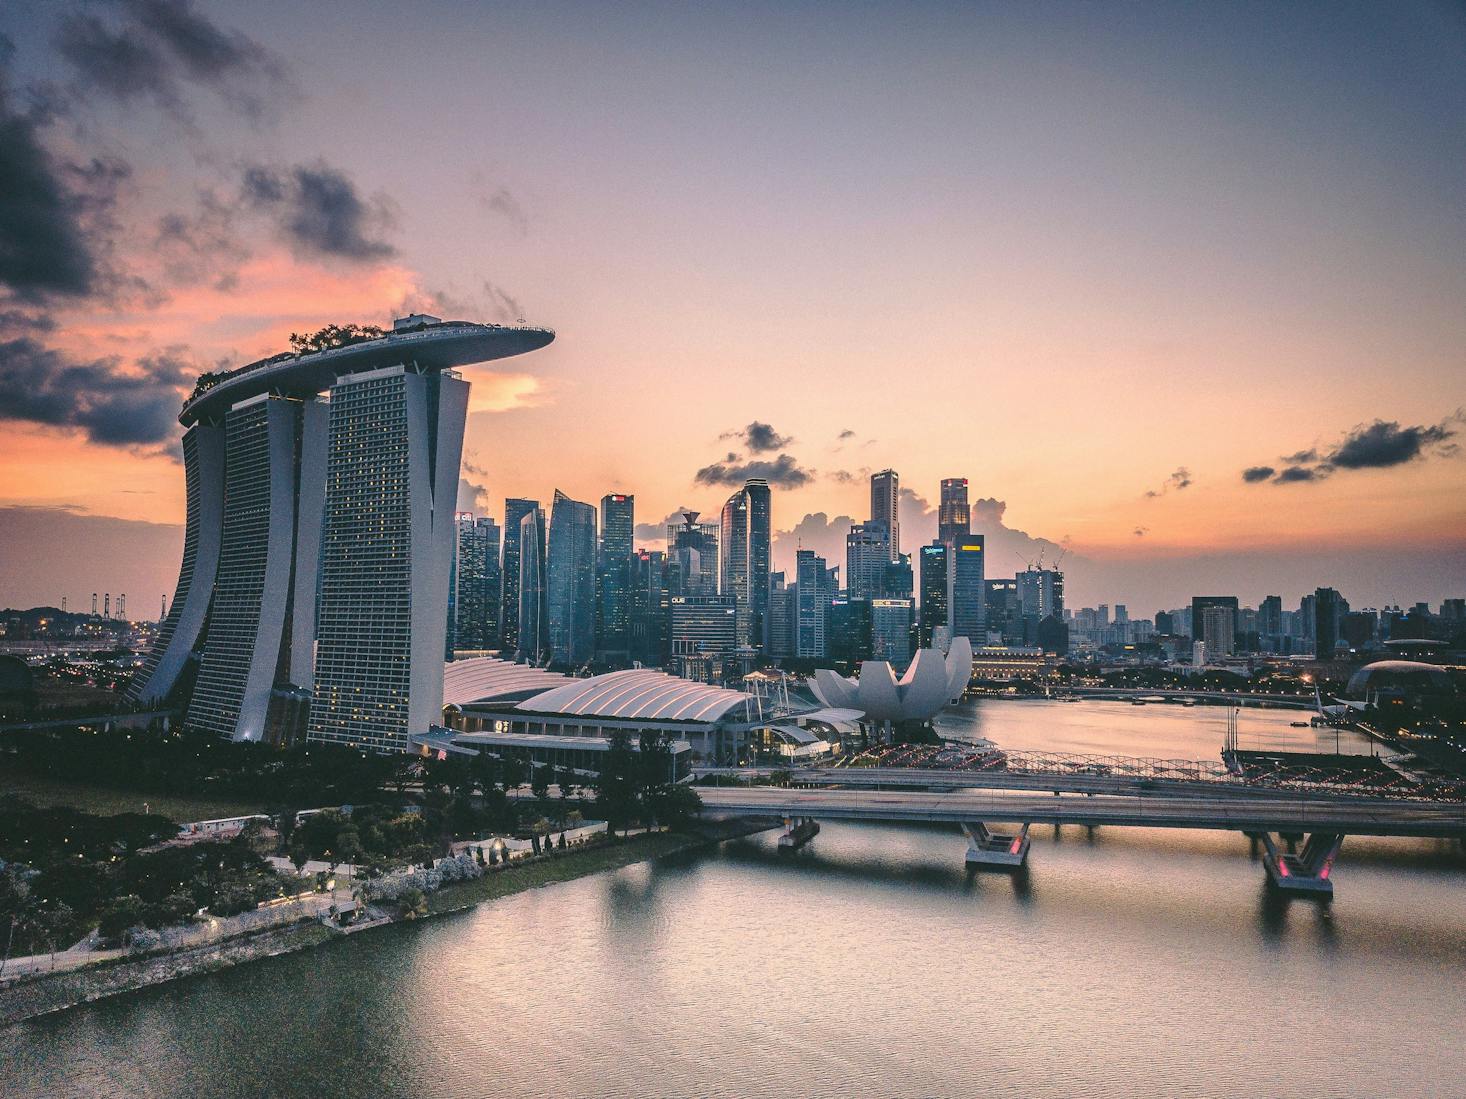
(321, 490)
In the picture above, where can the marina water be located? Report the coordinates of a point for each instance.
(872, 962)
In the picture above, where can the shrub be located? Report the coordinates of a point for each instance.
(140, 939)
(123, 913)
(461, 868)
(233, 899)
(412, 904)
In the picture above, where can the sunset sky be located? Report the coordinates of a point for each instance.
(1181, 289)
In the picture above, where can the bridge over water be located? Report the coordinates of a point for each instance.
(125, 719)
(1276, 816)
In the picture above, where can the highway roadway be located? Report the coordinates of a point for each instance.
(1079, 781)
(1237, 814)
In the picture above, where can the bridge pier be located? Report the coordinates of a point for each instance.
(985, 848)
(797, 832)
(1305, 872)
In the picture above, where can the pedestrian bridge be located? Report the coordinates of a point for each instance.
(1274, 817)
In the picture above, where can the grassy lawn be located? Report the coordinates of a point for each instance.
(572, 864)
(106, 801)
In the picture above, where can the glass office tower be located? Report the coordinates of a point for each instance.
(571, 578)
(613, 578)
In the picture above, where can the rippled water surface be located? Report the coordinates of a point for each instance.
(1122, 962)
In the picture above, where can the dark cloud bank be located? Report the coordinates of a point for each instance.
(61, 238)
(1382, 444)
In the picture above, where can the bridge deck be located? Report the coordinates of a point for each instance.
(127, 719)
(1404, 818)
(1295, 772)
(1072, 780)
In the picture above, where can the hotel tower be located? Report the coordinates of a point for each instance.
(321, 497)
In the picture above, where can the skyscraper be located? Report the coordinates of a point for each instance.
(693, 546)
(812, 596)
(847, 629)
(613, 577)
(1004, 608)
(1199, 604)
(867, 556)
(967, 598)
(933, 579)
(650, 601)
(760, 555)
(1040, 592)
(954, 517)
(261, 624)
(572, 581)
(890, 631)
(898, 581)
(515, 509)
(1270, 616)
(326, 531)
(1218, 630)
(782, 617)
(1329, 608)
(396, 437)
(173, 648)
(533, 643)
(704, 640)
(477, 583)
(885, 499)
(745, 550)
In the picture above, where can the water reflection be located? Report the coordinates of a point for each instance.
(873, 961)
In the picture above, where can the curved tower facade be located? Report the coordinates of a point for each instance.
(321, 488)
(274, 468)
(173, 648)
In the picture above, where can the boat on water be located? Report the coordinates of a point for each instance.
(1298, 724)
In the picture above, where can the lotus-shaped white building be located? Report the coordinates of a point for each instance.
(932, 681)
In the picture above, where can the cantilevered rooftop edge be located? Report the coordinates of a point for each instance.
(435, 345)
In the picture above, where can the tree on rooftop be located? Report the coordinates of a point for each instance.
(334, 335)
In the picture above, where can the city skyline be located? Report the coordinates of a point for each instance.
(1026, 330)
(745, 497)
